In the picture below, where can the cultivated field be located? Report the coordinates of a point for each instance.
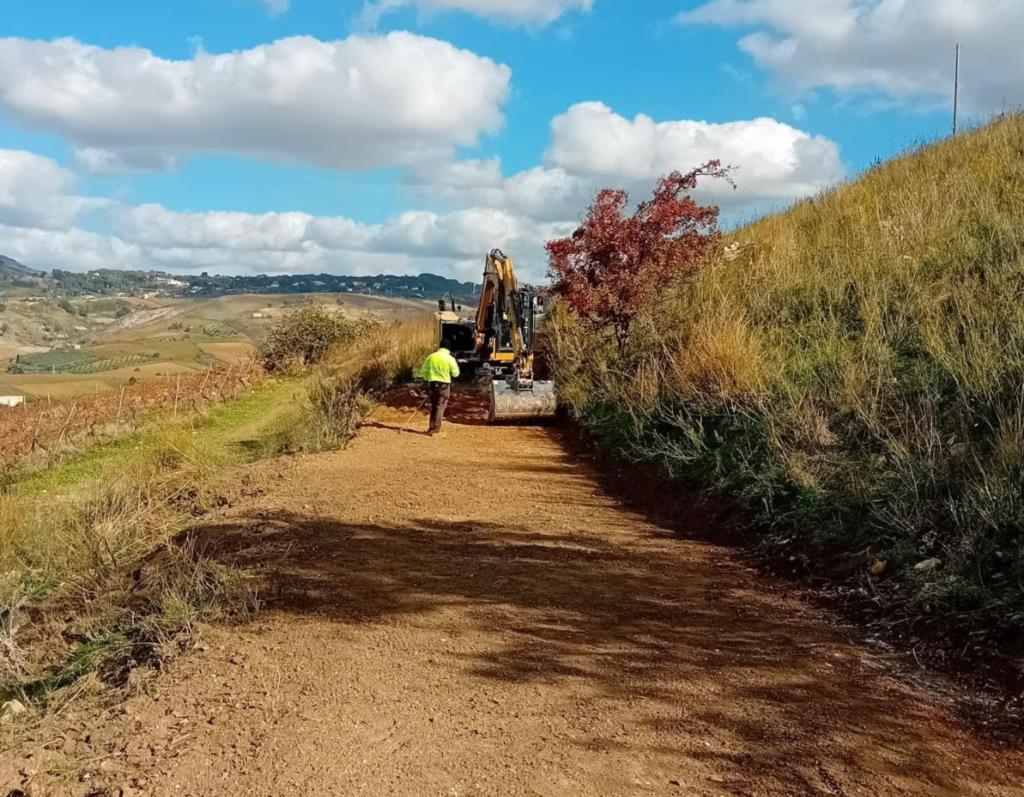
(162, 339)
(55, 427)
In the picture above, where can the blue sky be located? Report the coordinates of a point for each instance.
(351, 170)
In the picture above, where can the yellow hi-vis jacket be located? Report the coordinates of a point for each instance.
(439, 367)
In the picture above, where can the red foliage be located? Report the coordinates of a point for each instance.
(614, 262)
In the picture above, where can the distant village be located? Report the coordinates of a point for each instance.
(153, 284)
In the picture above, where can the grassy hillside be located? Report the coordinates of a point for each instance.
(852, 369)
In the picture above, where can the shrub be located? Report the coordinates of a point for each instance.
(337, 405)
(614, 263)
(342, 389)
(304, 337)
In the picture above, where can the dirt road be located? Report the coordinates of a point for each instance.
(475, 615)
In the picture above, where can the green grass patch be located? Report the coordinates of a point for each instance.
(235, 432)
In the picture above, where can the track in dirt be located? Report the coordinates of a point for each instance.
(475, 615)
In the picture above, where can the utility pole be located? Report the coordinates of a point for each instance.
(956, 90)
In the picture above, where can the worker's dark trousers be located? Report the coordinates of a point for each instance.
(440, 392)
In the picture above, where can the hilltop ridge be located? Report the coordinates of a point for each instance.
(12, 270)
(113, 282)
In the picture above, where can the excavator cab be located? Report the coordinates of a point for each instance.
(454, 333)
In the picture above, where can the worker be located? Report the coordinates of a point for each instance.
(437, 371)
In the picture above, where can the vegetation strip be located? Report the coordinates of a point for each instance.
(850, 370)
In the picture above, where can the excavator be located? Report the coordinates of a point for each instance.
(497, 344)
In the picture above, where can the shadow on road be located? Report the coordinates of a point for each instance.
(782, 701)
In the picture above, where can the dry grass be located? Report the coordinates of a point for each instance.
(97, 575)
(95, 578)
(853, 367)
(343, 388)
(386, 353)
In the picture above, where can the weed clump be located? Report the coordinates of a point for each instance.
(343, 389)
(99, 579)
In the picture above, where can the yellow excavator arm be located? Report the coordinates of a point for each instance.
(503, 332)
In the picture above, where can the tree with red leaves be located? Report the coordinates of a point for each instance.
(614, 262)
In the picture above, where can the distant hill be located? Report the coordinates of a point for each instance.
(11, 269)
(136, 283)
(110, 281)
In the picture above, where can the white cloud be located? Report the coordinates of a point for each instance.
(466, 233)
(359, 103)
(540, 193)
(38, 214)
(901, 49)
(73, 249)
(592, 146)
(152, 236)
(514, 12)
(107, 162)
(773, 160)
(36, 192)
(276, 8)
(302, 242)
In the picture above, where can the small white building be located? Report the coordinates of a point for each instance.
(11, 401)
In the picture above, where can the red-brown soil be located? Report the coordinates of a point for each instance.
(474, 614)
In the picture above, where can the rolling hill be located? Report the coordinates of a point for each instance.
(11, 269)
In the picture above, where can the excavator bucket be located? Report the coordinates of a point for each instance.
(510, 404)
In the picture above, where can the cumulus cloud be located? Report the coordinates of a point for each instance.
(515, 12)
(773, 160)
(301, 241)
(73, 248)
(900, 49)
(38, 214)
(592, 146)
(539, 193)
(36, 192)
(359, 103)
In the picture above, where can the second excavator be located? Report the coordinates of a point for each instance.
(498, 343)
